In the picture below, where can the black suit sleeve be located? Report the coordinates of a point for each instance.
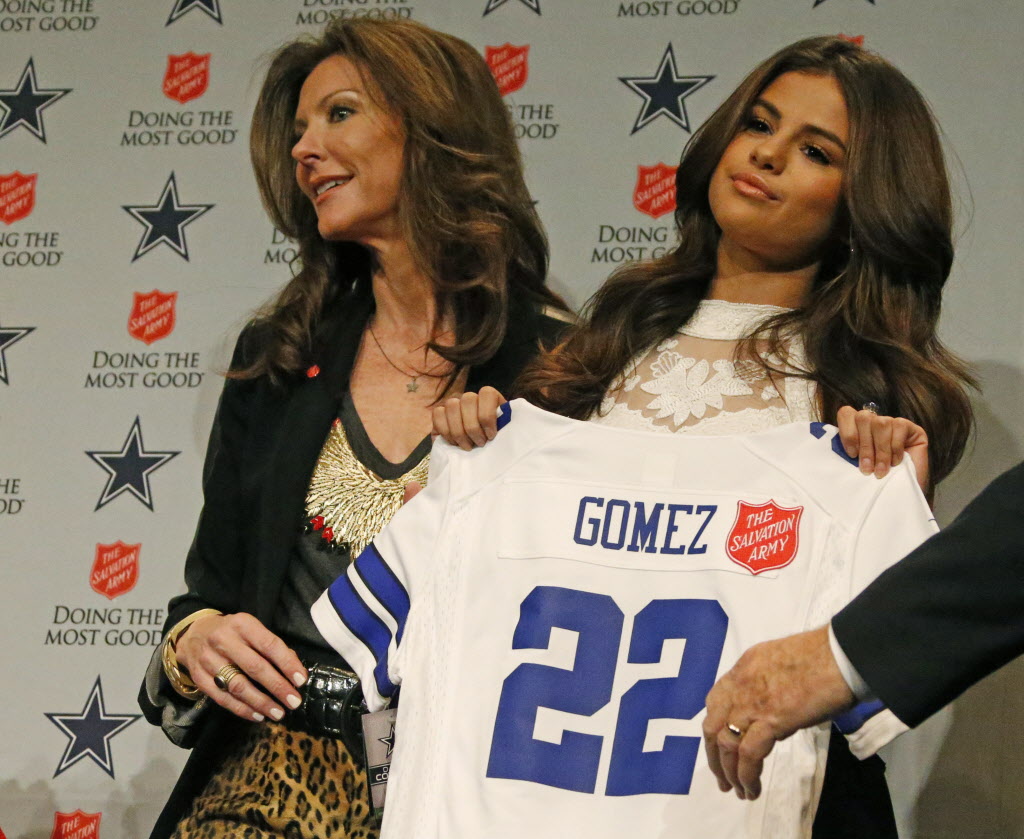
(948, 614)
(214, 568)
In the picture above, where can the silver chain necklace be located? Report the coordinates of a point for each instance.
(411, 386)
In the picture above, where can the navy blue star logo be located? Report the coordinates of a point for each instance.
(182, 7)
(90, 732)
(24, 105)
(129, 469)
(665, 92)
(10, 335)
(165, 221)
(388, 741)
(533, 5)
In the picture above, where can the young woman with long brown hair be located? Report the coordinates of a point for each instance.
(815, 236)
(421, 272)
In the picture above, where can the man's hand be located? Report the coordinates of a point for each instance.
(775, 689)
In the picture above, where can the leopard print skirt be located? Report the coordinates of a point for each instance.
(275, 782)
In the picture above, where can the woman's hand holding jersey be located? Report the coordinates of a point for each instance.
(269, 669)
(469, 420)
(881, 442)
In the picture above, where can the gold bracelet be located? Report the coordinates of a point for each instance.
(177, 675)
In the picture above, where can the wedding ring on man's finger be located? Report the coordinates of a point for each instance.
(734, 729)
(225, 675)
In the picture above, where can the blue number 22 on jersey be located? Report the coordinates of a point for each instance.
(573, 763)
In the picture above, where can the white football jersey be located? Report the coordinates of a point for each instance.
(557, 604)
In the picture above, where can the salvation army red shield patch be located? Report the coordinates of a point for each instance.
(152, 316)
(509, 66)
(17, 196)
(655, 191)
(764, 537)
(187, 76)
(115, 569)
(76, 825)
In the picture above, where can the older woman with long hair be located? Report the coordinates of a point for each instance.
(814, 220)
(385, 151)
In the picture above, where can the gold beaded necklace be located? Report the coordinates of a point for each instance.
(346, 502)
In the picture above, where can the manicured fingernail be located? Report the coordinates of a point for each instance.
(258, 717)
(867, 465)
(880, 470)
(299, 679)
(293, 701)
(277, 713)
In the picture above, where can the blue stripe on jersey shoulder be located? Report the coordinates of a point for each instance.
(386, 587)
(818, 430)
(853, 719)
(364, 625)
(504, 415)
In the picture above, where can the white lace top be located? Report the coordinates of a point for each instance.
(692, 381)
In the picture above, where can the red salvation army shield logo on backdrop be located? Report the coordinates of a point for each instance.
(17, 196)
(509, 66)
(764, 536)
(655, 191)
(76, 825)
(187, 76)
(152, 316)
(115, 569)
(853, 39)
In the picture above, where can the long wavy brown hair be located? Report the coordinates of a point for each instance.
(463, 205)
(869, 324)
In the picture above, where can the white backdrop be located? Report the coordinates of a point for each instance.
(133, 245)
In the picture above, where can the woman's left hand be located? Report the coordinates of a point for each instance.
(881, 442)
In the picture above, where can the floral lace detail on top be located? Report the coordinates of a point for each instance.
(692, 381)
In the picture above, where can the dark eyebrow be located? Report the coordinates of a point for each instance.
(324, 99)
(327, 96)
(812, 129)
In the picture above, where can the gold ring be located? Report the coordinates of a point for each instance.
(225, 675)
(734, 729)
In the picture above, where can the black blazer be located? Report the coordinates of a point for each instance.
(949, 613)
(263, 447)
